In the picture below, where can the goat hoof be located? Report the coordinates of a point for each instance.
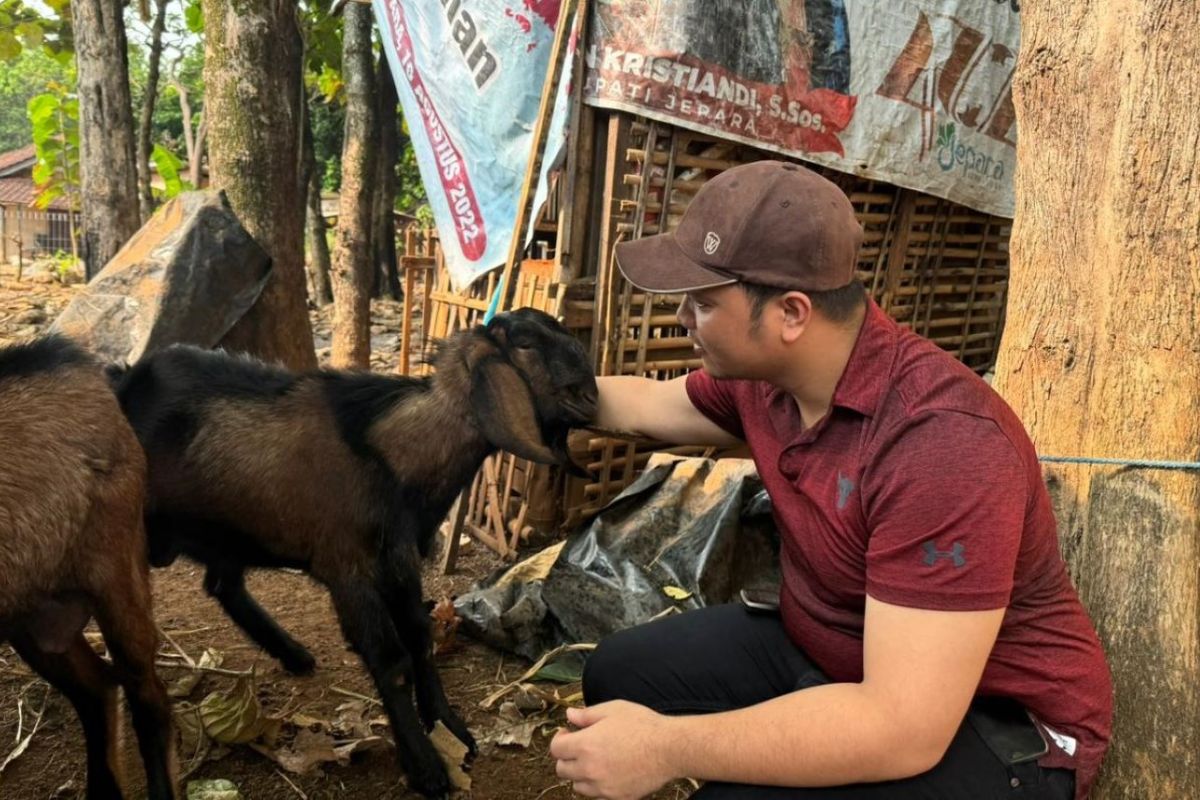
(460, 730)
(430, 780)
(301, 663)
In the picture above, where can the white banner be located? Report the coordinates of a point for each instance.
(469, 75)
(913, 92)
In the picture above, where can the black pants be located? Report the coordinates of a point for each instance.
(723, 657)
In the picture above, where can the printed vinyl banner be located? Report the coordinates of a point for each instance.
(469, 74)
(914, 92)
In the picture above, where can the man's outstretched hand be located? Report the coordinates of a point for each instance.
(619, 752)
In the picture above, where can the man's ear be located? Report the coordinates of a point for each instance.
(797, 315)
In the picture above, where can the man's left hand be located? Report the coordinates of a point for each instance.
(618, 753)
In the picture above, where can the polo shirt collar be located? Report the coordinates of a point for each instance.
(860, 388)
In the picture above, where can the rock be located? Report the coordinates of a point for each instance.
(186, 276)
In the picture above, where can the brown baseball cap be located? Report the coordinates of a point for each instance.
(770, 222)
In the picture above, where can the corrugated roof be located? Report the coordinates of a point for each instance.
(21, 191)
(15, 158)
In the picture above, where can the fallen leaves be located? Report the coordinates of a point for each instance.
(445, 621)
(235, 716)
(219, 789)
(676, 593)
(453, 753)
(23, 743)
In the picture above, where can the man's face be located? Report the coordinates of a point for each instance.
(722, 331)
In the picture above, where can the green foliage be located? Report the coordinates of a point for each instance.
(168, 165)
(62, 264)
(55, 120)
(20, 81)
(25, 28)
(193, 15)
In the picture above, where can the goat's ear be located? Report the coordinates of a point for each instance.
(504, 406)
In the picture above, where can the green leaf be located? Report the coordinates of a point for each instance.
(32, 33)
(10, 48)
(168, 165)
(47, 196)
(330, 83)
(234, 716)
(568, 668)
(59, 6)
(193, 14)
(676, 593)
(42, 107)
(43, 172)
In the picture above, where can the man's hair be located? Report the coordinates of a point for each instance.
(836, 305)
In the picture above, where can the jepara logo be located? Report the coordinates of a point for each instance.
(953, 153)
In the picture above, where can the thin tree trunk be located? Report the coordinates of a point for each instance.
(193, 137)
(387, 278)
(318, 245)
(108, 168)
(352, 264)
(145, 192)
(1099, 355)
(252, 108)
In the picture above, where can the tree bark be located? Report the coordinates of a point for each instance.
(383, 239)
(193, 135)
(1101, 354)
(318, 245)
(352, 263)
(145, 191)
(108, 169)
(252, 110)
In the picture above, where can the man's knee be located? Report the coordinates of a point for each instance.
(599, 675)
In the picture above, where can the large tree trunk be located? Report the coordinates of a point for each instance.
(108, 171)
(318, 245)
(352, 264)
(252, 107)
(1100, 354)
(383, 238)
(145, 191)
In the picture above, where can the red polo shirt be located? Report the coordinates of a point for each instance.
(921, 487)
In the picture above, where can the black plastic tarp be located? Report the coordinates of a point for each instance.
(694, 524)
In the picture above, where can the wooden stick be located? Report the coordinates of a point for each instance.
(558, 52)
(491, 699)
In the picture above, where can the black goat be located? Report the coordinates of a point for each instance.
(73, 546)
(347, 476)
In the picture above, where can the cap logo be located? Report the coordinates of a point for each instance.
(711, 243)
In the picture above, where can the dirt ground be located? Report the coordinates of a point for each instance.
(52, 766)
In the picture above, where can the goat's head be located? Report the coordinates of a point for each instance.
(531, 381)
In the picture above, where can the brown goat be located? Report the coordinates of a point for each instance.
(347, 476)
(73, 546)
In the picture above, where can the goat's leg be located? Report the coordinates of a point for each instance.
(228, 585)
(85, 680)
(132, 639)
(412, 623)
(368, 627)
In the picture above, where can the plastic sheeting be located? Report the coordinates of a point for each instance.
(186, 277)
(700, 525)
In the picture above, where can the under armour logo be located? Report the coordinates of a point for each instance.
(711, 243)
(957, 554)
(845, 487)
